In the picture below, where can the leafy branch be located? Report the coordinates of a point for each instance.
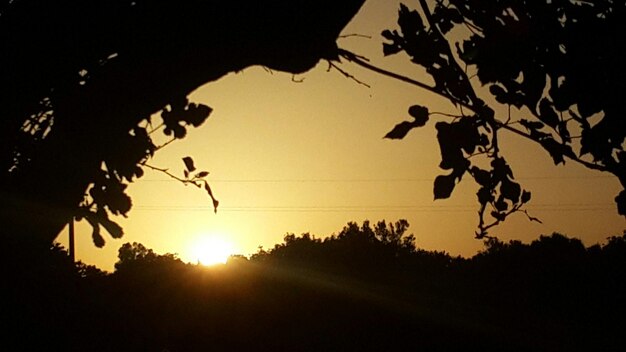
(191, 177)
(521, 51)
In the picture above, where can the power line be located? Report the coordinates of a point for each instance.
(569, 207)
(330, 180)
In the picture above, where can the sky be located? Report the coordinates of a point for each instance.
(305, 154)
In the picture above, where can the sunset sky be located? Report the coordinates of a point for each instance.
(288, 157)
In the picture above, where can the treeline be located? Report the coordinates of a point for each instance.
(366, 288)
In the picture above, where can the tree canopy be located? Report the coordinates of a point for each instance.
(81, 81)
(555, 67)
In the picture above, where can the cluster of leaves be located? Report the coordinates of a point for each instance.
(198, 179)
(556, 62)
(107, 195)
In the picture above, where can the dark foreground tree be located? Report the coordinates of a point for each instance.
(80, 81)
(555, 66)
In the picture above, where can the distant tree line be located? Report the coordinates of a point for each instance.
(366, 288)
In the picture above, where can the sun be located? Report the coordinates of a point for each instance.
(211, 250)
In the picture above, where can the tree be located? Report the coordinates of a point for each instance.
(81, 81)
(136, 256)
(555, 66)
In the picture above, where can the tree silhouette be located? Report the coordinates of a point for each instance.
(554, 65)
(82, 80)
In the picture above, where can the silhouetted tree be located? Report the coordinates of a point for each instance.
(82, 80)
(136, 256)
(554, 67)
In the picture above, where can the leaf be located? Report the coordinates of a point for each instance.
(189, 164)
(451, 153)
(484, 195)
(498, 216)
(400, 130)
(531, 125)
(98, 241)
(525, 196)
(482, 177)
(420, 114)
(510, 190)
(387, 34)
(391, 49)
(112, 228)
(444, 185)
(216, 202)
(202, 174)
(501, 205)
(97, 238)
(499, 93)
(547, 114)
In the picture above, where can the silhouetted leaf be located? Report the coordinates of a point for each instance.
(400, 130)
(484, 195)
(547, 114)
(112, 228)
(525, 197)
(97, 238)
(531, 125)
(216, 203)
(482, 177)
(202, 174)
(451, 153)
(119, 203)
(189, 164)
(444, 185)
(501, 170)
(501, 205)
(387, 34)
(499, 93)
(510, 190)
(420, 114)
(498, 216)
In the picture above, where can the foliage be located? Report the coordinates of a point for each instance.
(351, 291)
(136, 256)
(81, 83)
(554, 63)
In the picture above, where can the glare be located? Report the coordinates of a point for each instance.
(211, 250)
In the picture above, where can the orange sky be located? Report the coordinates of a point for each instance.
(309, 157)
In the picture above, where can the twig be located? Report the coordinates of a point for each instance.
(164, 145)
(446, 114)
(166, 172)
(156, 128)
(346, 74)
(357, 59)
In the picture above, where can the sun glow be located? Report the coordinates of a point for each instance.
(211, 250)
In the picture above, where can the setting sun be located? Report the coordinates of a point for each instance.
(211, 250)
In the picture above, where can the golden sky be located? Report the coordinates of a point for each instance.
(309, 157)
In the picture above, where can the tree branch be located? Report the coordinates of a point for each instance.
(166, 171)
(359, 60)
